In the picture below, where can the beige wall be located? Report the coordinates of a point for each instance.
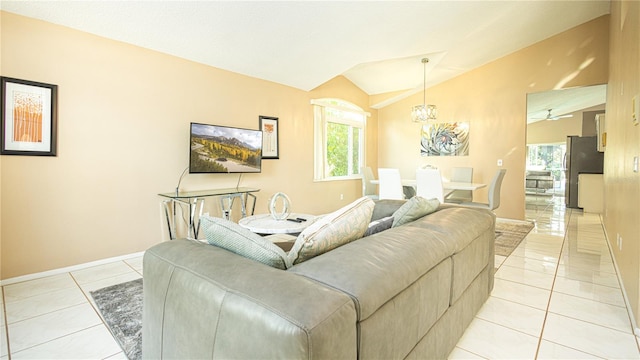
(123, 136)
(492, 99)
(622, 184)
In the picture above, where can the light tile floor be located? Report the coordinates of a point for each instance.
(556, 297)
(55, 318)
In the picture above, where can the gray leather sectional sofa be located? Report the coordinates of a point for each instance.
(406, 292)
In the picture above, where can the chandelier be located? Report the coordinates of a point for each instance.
(424, 112)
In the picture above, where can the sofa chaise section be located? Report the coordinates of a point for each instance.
(201, 302)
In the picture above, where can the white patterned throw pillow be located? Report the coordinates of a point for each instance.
(413, 209)
(338, 228)
(233, 237)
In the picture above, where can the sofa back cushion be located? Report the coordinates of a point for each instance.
(385, 208)
(233, 237)
(379, 225)
(333, 230)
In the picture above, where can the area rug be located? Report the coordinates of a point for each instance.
(509, 234)
(121, 308)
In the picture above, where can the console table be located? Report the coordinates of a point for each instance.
(195, 202)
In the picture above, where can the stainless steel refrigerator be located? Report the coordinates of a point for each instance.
(582, 157)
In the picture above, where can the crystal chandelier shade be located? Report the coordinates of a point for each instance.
(424, 112)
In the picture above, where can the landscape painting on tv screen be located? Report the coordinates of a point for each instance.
(222, 149)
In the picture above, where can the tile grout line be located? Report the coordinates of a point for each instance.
(93, 307)
(5, 323)
(553, 284)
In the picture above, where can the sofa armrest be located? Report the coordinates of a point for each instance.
(201, 301)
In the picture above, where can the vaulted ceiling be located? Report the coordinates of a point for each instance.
(377, 45)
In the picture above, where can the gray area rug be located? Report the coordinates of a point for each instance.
(121, 308)
(509, 234)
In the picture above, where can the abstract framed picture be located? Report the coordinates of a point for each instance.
(445, 139)
(29, 117)
(270, 144)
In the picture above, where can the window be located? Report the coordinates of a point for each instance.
(339, 133)
(548, 157)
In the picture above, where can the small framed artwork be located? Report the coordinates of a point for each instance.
(270, 145)
(29, 117)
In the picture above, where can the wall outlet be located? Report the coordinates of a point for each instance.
(499, 162)
(619, 241)
(341, 196)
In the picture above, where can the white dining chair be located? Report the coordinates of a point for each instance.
(368, 189)
(494, 193)
(460, 174)
(390, 184)
(429, 184)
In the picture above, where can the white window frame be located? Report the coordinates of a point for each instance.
(320, 137)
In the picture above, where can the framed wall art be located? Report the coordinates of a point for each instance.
(29, 117)
(445, 139)
(270, 144)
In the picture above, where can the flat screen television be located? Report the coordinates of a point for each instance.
(224, 149)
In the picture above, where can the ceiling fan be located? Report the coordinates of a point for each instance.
(550, 117)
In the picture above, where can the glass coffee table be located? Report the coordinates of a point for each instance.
(265, 224)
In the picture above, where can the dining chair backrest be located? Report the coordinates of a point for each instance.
(494, 189)
(390, 184)
(461, 174)
(429, 184)
(368, 189)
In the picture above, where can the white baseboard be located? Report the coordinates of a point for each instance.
(67, 269)
(632, 318)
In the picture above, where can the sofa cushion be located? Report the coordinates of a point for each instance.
(379, 225)
(385, 208)
(413, 209)
(375, 269)
(233, 237)
(333, 230)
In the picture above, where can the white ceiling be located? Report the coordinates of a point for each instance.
(564, 101)
(377, 45)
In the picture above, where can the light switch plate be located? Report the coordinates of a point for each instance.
(635, 164)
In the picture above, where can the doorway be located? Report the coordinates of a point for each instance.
(551, 117)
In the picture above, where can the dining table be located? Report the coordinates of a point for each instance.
(447, 186)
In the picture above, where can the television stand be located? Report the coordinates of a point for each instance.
(195, 202)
